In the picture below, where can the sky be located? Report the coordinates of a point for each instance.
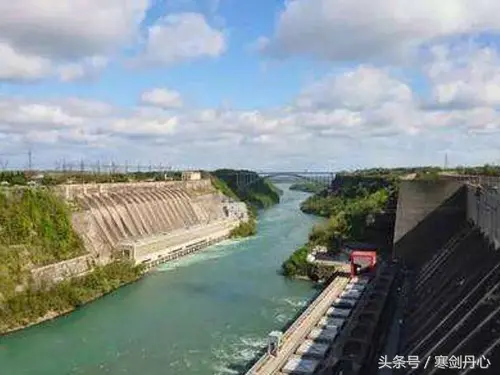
(320, 85)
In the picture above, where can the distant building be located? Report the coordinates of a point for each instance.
(319, 249)
(191, 176)
(38, 177)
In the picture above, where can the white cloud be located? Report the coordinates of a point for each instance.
(69, 29)
(464, 76)
(360, 88)
(16, 66)
(182, 37)
(69, 38)
(163, 98)
(143, 126)
(363, 116)
(19, 116)
(365, 29)
(88, 68)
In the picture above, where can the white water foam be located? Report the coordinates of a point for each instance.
(219, 250)
(281, 318)
(238, 351)
(294, 302)
(221, 370)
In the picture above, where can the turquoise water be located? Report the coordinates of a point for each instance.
(209, 313)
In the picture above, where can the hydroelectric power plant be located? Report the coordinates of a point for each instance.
(431, 307)
(206, 313)
(227, 311)
(149, 223)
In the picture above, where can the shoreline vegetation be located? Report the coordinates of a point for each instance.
(36, 230)
(308, 187)
(260, 194)
(35, 306)
(351, 210)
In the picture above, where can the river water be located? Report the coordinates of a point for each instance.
(209, 313)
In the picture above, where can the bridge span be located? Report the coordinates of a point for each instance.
(243, 180)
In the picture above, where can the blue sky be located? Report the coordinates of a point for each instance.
(301, 84)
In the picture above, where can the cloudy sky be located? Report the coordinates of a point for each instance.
(261, 84)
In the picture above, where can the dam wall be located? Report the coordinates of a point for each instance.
(428, 213)
(483, 209)
(136, 219)
(453, 301)
(72, 191)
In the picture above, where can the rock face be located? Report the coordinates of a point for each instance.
(112, 215)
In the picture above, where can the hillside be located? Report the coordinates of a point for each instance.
(35, 230)
(259, 194)
(308, 187)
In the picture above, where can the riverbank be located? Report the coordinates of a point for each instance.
(218, 304)
(352, 212)
(39, 232)
(34, 306)
(309, 187)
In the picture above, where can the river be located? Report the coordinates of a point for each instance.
(209, 313)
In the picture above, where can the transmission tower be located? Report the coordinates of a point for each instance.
(30, 161)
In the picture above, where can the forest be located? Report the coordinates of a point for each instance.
(35, 230)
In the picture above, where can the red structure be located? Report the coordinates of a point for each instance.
(361, 260)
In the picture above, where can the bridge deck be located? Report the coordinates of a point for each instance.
(298, 331)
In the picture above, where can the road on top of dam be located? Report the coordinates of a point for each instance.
(208, 313)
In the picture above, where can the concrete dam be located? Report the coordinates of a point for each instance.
(429, 308)
(149, 223)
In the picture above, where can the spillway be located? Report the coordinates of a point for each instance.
(149, 222)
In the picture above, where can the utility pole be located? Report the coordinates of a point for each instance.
(4, 164)
(82, 170)
(446, 161)
(30, 164)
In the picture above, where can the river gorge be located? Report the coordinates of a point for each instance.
(208, 313)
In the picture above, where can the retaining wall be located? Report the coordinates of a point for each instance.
(57, 272)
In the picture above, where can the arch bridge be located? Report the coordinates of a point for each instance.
(244, 180)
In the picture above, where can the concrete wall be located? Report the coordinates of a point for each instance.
(428, 214)
(483, 209)
(417, 199)
(70, 192)
(149, 220)
(57, 272)
(114, 216)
